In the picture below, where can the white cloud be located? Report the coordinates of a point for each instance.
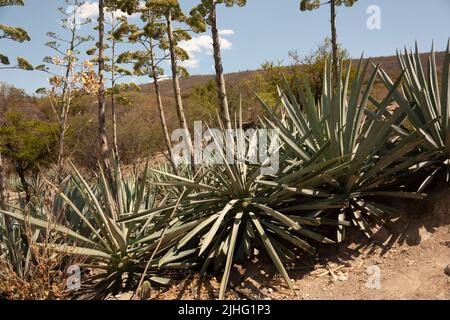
(196, 44)
(202, 45)
(226, 32)
(89, 10)
(191, 63)
(225, 44)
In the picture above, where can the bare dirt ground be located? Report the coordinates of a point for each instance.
(411, 259)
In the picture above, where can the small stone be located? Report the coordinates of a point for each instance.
(270, 290)
(447, 270)
(343, 277)
(445, 243)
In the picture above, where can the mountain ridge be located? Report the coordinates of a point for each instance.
(388, 63)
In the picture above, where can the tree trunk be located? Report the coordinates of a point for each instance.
(176, 87)
(164, 123)
(23, 181)
(62, 117)
(220, 79)
(114, 125)
(334, 39)
(113, 101)
(103, 141)
(62, 134)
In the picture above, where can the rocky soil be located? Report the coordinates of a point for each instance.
(410, 258)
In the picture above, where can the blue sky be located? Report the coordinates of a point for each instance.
(263, 30)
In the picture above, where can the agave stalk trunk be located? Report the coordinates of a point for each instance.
(113, 98)
(163, 121)
(220, 79)
(62, 134)
(176, 85)
(103, 141)
(334, 38)
(65, 107)
(114, 125)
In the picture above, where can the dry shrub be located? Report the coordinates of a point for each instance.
(44, 275)
(46, 282)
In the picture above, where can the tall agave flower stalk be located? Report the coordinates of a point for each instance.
(429, 102)
(367, 154)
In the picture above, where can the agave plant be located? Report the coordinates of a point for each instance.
(118, 252)
(25, 271)
(429, 103)
(232, 211)
(371, 156)
(14, 251)
(168, 191)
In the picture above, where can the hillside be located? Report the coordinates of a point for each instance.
(139, 128)
(388, 63)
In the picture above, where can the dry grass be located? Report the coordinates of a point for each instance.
(46, 281)
(44, 275)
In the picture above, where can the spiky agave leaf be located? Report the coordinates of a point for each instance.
(231, 213)
(118, 250)
(429, 102)
(357, 143)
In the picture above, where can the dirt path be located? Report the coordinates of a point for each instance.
(406, 272)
